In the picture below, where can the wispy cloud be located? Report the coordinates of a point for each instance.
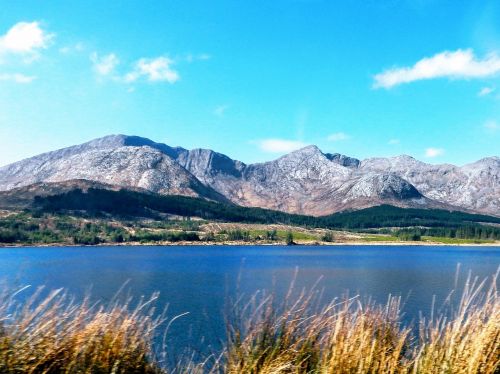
(73, 48)
(460, 64)
(338, 136)
(26, 39)
(492, 126)
(485, 91)
(154, 70)
(220, 110)
(157, 69)
(393, 141)
(434, 152)
(279, 145)
(104, 65)
(17, 78)
(199, 57)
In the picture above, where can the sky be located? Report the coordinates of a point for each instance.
(254, 79)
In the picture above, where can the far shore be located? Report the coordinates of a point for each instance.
(238, 243)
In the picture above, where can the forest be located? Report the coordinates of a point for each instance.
(104, 216)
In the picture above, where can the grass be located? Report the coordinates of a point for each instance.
(444, 240)
(431, 239)
(380, 238)
(53, 334)
(348, 336)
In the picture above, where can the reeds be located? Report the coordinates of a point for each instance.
(53, 334)
(349, 336)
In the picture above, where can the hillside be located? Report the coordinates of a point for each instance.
(306, 181)
(139, 204)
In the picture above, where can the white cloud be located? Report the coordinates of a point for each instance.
(17, 77)
(492, 126)
(154, 70)
(393, 141)
(104, 65)
(220, 110)
(25, 38)
(485, 91)
(434, 152)
(460, 64)
(279, 145)
(338, 136)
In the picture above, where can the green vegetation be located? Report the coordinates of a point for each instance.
(61, 228)
(409, 234)
(454, 240)
(135, 204)
(281, 235)
(480, 232)
(25, 228)
(380, 238)
(52, 334)
(102, 216)
(327, 237)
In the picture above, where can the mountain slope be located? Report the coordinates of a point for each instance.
(475, 186)
(306, 181)
(92, 199)
(116, 160)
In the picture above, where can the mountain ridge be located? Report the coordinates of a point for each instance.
(305, 181)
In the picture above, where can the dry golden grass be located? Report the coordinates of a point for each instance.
(53, 334)
(469, 342)
(349, 336)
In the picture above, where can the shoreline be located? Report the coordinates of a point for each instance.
(241, 244)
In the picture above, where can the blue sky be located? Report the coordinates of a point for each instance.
(254, 79)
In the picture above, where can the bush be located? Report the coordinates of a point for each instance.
(236, 235)
(11, 236)
(327, 237)
(272, 235)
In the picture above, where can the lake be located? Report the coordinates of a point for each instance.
(200, 279)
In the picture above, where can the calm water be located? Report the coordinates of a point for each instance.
(199, 279)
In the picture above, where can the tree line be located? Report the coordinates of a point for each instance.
(136, 204)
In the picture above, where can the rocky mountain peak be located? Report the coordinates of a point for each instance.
(204, 163)
(348, 162)
(305, 152)
(120, 140)
(385, 186)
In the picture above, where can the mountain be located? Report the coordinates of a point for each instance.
(474, 186)
(306, 181)
(116, 160)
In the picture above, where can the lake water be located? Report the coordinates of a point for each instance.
(199, 279)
